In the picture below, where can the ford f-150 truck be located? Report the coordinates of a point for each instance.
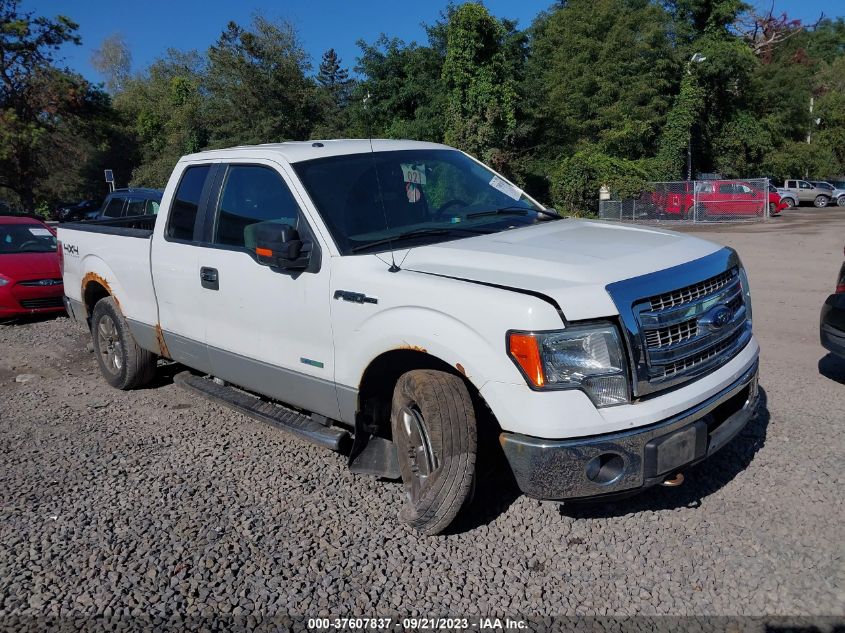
(386, 299)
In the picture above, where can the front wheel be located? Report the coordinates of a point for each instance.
(122, 362)
(434, 430)
(821, 201)
(841, 201)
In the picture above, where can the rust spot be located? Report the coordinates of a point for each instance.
(95, 278)
(414, 348)
(461, 369)
(162, 346)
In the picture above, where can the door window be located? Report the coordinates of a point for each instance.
(252, 195)
(114, 208)
(135, 206)
(805, 185)
(151, 207)
(186, 202)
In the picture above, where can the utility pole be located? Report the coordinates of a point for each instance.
(695, 59)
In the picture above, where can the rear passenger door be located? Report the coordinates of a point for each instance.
(267, 330)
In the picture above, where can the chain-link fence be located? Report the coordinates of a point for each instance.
(692, 201)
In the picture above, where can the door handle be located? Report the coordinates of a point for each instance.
(209, 278)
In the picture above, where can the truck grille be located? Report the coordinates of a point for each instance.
(691, 293)
(41, 282)
(46, 302)
(689, 329)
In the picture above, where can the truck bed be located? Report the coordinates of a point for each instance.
(115, 254)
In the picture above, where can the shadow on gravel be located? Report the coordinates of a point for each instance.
(701, 480)
(164, 375)
(833, 367)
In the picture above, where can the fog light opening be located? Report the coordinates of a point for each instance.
(605, 469)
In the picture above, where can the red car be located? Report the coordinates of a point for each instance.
(713, 198)
(30, 277)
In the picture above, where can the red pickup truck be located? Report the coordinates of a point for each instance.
(711, 199)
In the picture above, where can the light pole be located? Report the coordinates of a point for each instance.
(695, 59)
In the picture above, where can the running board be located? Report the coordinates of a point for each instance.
(266, 411)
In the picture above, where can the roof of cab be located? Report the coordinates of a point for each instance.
(298, 151)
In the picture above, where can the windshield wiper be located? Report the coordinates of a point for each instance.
(407, 235)
(513, 210)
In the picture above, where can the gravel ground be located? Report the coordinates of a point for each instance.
(155, 501)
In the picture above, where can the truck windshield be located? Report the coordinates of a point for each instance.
(25, 238)
(411, 196)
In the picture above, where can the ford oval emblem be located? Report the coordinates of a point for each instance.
(717, 318)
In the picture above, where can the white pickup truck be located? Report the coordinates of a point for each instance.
(388, 298)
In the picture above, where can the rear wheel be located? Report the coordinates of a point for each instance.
(821, 201)
(841, 201)
(434, 430)
(773, 209)
(123, 364)
(790, 202)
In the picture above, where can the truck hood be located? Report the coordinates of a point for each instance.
(570, 261)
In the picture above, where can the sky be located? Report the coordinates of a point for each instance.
(150, 27)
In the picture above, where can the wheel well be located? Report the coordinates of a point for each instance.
(375, 391)
(93, 292)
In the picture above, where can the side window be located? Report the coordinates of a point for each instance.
(114, 208)
(790, 184)
(151, 207)
(726, 188)
(183, 210)
(135, 206)
(804, 185)
(252, 195)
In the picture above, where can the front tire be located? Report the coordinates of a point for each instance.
(123, 364)
(821, 202)
(434, 430)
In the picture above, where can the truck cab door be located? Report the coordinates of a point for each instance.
(268, 329)
(175, 268)
(805, 191)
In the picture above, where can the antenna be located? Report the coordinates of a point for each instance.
(394, 267)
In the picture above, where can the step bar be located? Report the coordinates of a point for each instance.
(266, 411)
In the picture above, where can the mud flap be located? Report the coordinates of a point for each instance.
(371, 454)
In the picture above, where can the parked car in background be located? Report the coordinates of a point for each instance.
(124, 203)
(832, 322)
(798, 191)
(84, 210)
(30, 275)
(713, 198)
(390, 291)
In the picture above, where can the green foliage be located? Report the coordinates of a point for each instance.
(594, 92)
(481, 93)
(400, 94)
(258, 91)
(576, 181)
(602, 74)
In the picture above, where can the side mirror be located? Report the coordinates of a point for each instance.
(279, 246)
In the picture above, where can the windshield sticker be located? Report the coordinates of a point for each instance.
(506, 188)
(41, 232)
(413, 173)
(413, 192)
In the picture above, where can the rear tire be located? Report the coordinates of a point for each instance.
(123, 364)
(790, 203)
(840, 201)
(434, 430)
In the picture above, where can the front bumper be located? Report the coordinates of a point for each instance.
(630, 461)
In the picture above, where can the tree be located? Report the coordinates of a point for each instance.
(333, 77)
(481, 93)
(39, 104)
(258, 91)
(114, 61)
(602, 73)
(164, 109)
(400, 94)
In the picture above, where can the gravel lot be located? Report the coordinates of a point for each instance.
(158, 502)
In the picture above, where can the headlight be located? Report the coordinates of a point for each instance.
(586, 357)
(746, 291)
